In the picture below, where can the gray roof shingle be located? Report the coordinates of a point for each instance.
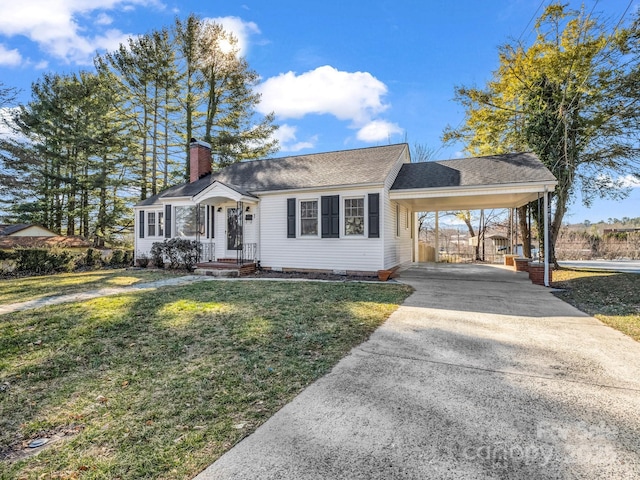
(346, 167)
(9, 229)
(474, 171)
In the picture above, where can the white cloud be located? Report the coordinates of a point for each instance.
(54, 25)
(6, 131)
(239, 28)
(378, 130)
(605, 180)
(8, 57)
(629, 181)
(287, 139)
(355, 96)
(103, 19)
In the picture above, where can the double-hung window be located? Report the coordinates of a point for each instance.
(151, 224)
(161, 224)
(354, 216)
(309, 218)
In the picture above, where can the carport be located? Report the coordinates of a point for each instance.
(494, 181)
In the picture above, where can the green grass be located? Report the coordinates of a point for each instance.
(613, 298)
(160, 384)
(31, 288)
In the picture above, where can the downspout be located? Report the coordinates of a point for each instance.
(546, 236)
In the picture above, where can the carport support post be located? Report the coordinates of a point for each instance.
(416, 238)
(546, 236)
(437, 255)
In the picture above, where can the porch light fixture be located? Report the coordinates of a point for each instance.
(248, 209)
(219, 209)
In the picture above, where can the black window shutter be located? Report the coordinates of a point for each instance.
(212, 220)
(206, 221)
(330, 216)
(291, 218)
(167, 221)
(335, 216)
(374, 215)
(141, 224)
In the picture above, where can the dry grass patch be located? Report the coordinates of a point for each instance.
(613, 298)
(159, 384)
(31, 288)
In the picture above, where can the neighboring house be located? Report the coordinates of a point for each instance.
(25, 230)
(34, 236)
(351, 211)
(9, 242)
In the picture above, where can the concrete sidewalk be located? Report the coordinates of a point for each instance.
(480, 374)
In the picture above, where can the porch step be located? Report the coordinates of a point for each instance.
(224, 269)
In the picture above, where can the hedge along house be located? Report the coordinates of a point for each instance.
(349, 212)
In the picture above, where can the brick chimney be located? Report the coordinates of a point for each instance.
(199, 159)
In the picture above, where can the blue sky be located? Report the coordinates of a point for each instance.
(338, 74)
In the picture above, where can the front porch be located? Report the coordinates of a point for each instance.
(244, 263)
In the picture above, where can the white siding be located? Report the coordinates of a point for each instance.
(397, 249)
(143, 245)
(353, 253)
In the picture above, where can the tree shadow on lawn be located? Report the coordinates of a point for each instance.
(163, 382)
(614, 298)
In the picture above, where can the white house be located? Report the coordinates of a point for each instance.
(351, 211)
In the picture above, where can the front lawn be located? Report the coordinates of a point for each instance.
(613, 298)
(159, 384)
(16, 290)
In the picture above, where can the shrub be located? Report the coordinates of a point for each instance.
(93, 258)
(178, 251)
(157, 254)
(117, 258)
(44, 260)
(143, 261)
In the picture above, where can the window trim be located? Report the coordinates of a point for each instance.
(344, 216)
(299, 217)
(160, 224)
(151, 225)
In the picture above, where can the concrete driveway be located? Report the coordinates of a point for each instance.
(480, 374)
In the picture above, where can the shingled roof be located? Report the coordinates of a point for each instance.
(475, 171)
(9, 229)
(363, 166)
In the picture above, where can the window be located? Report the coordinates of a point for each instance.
(309, 217)
(151, 224)
(161, 224)
(188, 223)
(354, 216)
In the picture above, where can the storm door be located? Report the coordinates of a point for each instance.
(234, 226)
